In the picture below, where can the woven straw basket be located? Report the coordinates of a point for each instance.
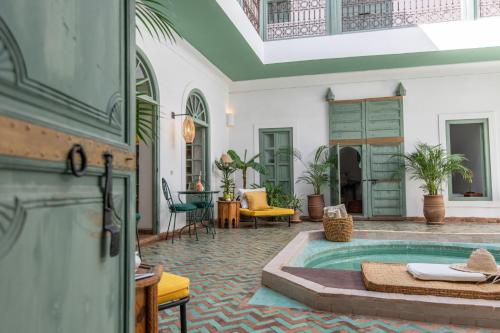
(338, 229)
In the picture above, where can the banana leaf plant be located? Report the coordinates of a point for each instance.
(151, 15)
(244, 165)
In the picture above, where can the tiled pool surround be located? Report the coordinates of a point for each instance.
(446, 310)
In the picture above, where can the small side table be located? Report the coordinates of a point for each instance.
(146, 301)
(228, 214)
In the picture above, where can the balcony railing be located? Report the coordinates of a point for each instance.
(296, 18)
(286, 19)
(489, 8)
(361, 15)
(252, 10)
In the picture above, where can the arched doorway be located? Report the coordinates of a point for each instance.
(147, 108)
(351, 179)
(198, 152)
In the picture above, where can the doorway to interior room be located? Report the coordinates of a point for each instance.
(351, 179)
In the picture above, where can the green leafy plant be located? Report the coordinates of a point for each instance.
(317, 172)
(151, 13)
(144, 115)
(244, 165)
(295, 203)
(433, 165)
(227, 169)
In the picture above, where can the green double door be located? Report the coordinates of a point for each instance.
(366, 136)
(275, 146)
(67, 238)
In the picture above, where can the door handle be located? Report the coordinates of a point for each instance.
(371, 180)
(108, 224)
(77, 149)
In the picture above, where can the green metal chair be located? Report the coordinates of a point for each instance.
(175, 208)
(206, 208)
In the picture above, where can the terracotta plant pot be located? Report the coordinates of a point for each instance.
(434, 211)
(296, 217)
(315, 206)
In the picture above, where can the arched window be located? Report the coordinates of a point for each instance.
(197, 153)
(145, 87)
(147, 102)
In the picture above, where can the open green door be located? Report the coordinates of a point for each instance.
(335, 176)
(373, 128)
(66, 82)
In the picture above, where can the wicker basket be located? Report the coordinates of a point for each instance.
(338, 229)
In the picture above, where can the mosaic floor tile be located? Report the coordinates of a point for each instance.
(225, 273)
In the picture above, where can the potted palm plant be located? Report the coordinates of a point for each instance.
(244, 165)
(433, 165)
(317, 174)
(227, 183)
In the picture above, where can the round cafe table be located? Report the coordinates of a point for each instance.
(204, 201)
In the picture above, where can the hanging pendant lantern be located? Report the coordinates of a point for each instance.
(188, 129)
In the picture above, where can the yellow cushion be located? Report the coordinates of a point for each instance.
(257, 200)
(172, 287)
(273, 211)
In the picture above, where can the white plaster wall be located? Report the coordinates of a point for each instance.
(179, 69)
(433, 95)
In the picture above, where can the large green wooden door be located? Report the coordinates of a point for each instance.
(375, 125)
(384, 134)
(65, 79)
(275, 145)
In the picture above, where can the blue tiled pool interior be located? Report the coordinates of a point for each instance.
(348, 256)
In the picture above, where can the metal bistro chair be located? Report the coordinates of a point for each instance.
(175, 208)
(207, 210)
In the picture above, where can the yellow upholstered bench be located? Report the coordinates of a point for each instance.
(271, 212)
(173, 290)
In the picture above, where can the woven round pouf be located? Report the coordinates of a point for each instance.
(338, 229)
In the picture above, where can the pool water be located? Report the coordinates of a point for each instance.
(348, 256)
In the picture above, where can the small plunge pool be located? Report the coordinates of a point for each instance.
(348, 256)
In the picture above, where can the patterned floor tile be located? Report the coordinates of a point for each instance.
(225, 272)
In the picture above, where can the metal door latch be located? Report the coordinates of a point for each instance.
(109, 226)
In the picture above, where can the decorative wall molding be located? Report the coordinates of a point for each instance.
(7, 69)
(114, 110)
(13, 73)
(12, 219)
(13, 216)
(330, 96)
(400, 90)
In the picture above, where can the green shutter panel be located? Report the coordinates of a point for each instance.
(385, 185)
(275, 145)
(383, 119)
(346, 121)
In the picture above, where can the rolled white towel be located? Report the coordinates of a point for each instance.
(440, 272)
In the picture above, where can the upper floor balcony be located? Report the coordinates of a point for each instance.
(287, 19)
